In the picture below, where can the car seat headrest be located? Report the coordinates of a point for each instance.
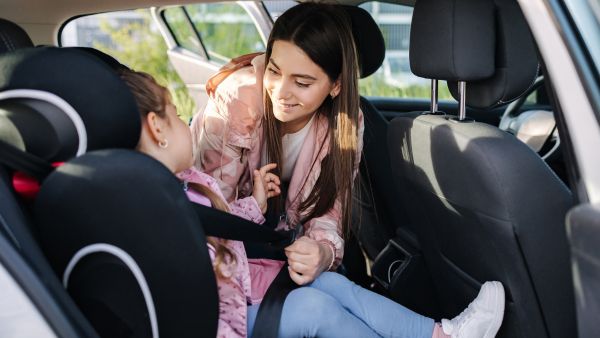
(13, 37)
(368, 39)
(107, 59)
(516, 63)
(121, 201)
(65, 102)
(452, 40)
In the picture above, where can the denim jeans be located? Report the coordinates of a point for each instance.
(333, 306)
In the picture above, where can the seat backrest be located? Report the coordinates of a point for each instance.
(489, 207)
(128, 246)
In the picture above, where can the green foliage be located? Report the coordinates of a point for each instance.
(375, 85)
(140, 46)
(218, 23)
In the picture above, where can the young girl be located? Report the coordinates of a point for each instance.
(331, 306)
(167, 138)
(297, 105)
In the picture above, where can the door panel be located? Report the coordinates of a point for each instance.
(583, 225)
(194, 72)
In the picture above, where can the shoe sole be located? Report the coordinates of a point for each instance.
(498, 311)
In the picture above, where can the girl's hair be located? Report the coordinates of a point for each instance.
(324, 33)
(152, 97)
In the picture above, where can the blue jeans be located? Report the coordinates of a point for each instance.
(333, 306)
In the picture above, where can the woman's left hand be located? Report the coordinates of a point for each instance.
(307, 258)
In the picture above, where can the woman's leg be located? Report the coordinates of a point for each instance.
(384, 316)
(308, 312)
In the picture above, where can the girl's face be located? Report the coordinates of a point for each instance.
(296, 85)
(180, 139)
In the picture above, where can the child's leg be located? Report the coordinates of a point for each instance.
(387, 318)
(308, 312)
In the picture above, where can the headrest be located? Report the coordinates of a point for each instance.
(452, 39)
(102, 197)
(516, 66)
(368, 39)
(64, 102)
(13, 37)
(110, 61)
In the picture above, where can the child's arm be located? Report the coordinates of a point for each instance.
(266, 185)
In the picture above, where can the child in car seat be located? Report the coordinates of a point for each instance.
(167, 138)
(330, 306)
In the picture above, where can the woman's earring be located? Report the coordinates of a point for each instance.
(163, 144)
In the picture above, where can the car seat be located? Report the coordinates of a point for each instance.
(489, 207)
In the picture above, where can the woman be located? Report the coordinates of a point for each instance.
(297, 105)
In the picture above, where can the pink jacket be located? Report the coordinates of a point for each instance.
(234, 292)
(228, 140)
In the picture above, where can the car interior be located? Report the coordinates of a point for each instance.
(450, 194)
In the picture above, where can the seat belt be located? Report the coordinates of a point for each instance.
(20, 160)
(263, 242)
(268, 317)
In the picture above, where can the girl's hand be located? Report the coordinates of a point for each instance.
(266, 185)
(307, 258)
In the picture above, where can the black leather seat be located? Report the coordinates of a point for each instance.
(489, 207)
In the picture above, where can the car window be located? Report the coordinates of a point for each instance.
(394, 78)
(275, 7)
(226, 30)
(184, 33)
(132, 38)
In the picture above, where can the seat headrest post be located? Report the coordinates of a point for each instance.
(462, 88)
(434, 96)
(462, 108)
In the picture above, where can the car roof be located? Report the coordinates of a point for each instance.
(42, 19)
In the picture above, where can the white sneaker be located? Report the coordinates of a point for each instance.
(482, 318)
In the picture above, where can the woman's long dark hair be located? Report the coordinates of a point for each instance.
(324, 33)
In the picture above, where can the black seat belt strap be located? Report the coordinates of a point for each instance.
(20, 160)
(221, 224)
(268, 317)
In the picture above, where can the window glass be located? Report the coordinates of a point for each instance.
(276, 8)
(394, 78)
(132, 38)
(181, 28)
(226, 30)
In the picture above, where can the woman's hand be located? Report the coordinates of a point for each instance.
(266, 185)
(307, 258)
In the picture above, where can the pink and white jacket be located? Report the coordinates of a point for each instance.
(228, 139)
(234, 291)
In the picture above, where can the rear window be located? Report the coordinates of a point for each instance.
(132, 38)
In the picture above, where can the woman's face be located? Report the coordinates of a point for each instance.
(180, 139)
(296, 85)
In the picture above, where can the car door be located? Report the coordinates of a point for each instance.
(202, 37)
(567, 34)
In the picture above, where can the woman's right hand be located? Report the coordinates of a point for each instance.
(266, 185)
